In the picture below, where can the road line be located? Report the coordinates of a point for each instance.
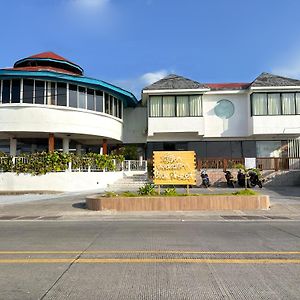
(154, 252)
(147, 261)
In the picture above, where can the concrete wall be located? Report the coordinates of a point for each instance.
(42, 118)
(235, 126)
(135, 125)
(64, 181)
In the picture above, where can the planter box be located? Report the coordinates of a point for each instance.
(186, 203)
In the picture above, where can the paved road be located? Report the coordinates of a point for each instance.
(149, 260)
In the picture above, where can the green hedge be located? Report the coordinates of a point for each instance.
(43, 162)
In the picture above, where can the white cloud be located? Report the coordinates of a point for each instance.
(135, 85)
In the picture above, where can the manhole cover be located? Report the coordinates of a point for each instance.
(233, 217)
(49, 218)
(255, 217)
(278, 217)
(28, 218)
(8, 217)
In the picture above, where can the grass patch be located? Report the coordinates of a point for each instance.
(129, 194)
(245, 193)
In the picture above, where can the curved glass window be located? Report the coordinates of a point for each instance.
(30, 91)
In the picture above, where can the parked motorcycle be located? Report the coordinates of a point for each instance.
(205, 179)
(229, 179)
(254, 179)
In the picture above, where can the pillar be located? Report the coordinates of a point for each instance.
(104, 146)
(78, 149)
(13, 146)
(51, 142)
(66, 143)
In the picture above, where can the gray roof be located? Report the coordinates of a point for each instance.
(267, 79)
(172, 82)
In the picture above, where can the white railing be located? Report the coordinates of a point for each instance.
(135, 165)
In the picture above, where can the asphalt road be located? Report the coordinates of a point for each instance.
(149, 260)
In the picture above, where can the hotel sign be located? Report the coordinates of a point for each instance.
(174, 167)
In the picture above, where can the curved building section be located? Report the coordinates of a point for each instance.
(47, 103)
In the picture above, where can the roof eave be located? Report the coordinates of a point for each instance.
(175, 91)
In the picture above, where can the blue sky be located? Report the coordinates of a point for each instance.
(135, 42)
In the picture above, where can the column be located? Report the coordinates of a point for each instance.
(13, 146)
(104, 146)
(51, 142)
(66, 143)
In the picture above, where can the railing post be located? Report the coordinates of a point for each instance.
(276, 163)
(129, 161)
(225, 164)
(146, 169)
(69, 167)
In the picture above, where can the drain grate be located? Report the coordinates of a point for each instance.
(28, 217)
(233, 217)
(278, 218)
(255, 217)
(8, 217)
(49, 218)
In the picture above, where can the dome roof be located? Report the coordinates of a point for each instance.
(48, 61)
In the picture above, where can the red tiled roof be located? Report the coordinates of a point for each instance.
(49, 54)
(229, 86)
(42, 68)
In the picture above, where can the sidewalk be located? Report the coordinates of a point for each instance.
(285, 205)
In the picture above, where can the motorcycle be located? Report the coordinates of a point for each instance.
(254, 179)
(205, 179)
(229, 179)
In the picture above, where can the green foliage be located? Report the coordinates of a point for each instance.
(129, 194)
(170, 192)
(43, 162)
(6, 162)
(147, 190)
(110, 194)
(129, 152)
(245, 193)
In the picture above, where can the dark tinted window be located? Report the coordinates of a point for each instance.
(90, 99)
(27, 91)
(6, 91)
(61, 94)
(106, 103)
(53, 93)
(120, 109)
(39, 92)
(15, 90)
(72, 95)
(99, 101)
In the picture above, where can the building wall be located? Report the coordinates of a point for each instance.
(235, 126)
(40, 118)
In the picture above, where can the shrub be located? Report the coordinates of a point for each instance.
(170, 192)
(128, 194)
(147, 190)
(110, 194)
(245, 193)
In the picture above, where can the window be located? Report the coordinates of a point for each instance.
(61, 94)
(5, 91)
(73, 95)
(274, 106)
(182, 106)
(107, 107)
(39, 92)
(115, 107)
(53, 93)
(195, 105)
(155, 106)
(81, 97)
(15, 91)
(259, 104)
(298, 103)
(120, 109)
(99, 101)
(111, 104)
(288, 103)
(90, 100)
(27, 91)
(169, 106)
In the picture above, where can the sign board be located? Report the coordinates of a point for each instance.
(250, 162)
(174, 167)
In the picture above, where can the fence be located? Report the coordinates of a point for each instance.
(126, 165)
(264, 163)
